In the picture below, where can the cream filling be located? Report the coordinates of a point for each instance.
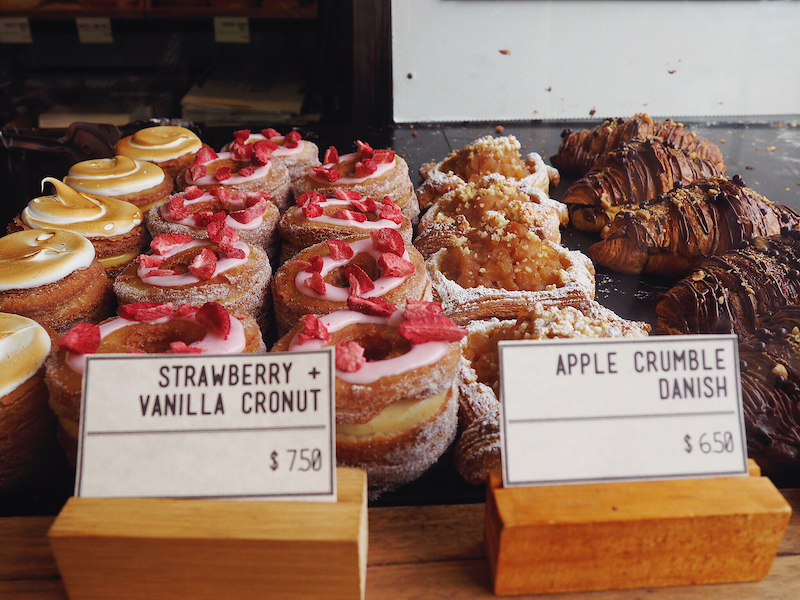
(397, 417)
(119, 259)
(24, 346)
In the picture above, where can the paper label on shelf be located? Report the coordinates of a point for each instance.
(94, 30)
(231, 30)
(251, 426)
(587, 411)
(15, 30)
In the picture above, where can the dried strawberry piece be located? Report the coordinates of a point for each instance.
(165, 242)
(433, 328)
(314, 264)
(247, 171)
(418, 309)
(222, 194)
(349, 215)
(193, 192)
(241, 135)
(312, 210)
(203, 218)
(228, 250)
(390, 211)
(346, 195)
(162, 273)
(83, 338)
(204, 155)
(310, 197)
(146, 312)
(218, 231)
(254, 198)
(386, 239)
(185, 310)
(331, 156)
(339, 249)
(292, 139)
(360, 282)
(364, 150)
(197, 171)
(377, 307)
(349, 356)
(177, 210)
(149, 261)
(383, 156)
(241, 151)
(365, 204)
(251, 212)
(204, 265)
(222, 174)
(392, 265)
(215, 317)
(262, 151)
(180, 347)
(329, 174)
(313, 329)
(269, 132)
(366, 167)
(316, 283)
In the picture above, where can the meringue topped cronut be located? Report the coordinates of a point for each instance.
(113, 226)
(144, 327)
(27, 426)
(395, 371)
(139, 182)
(53, 277)
(170, 147)
(485, 156)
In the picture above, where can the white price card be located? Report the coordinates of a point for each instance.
(663, 407)
(94, 30)
(15, 30)
(232, 30)
(251, 426)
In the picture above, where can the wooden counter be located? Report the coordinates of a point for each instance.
(414, 552)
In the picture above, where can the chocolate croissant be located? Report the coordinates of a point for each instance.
(770, 375)
(579, 150)
(728, 292)
(673, 233)
(630, 175)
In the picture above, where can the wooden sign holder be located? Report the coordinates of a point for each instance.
(638, 534)
(158, 549)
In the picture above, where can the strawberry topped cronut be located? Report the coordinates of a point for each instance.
(142, 327)
(372, 173)
(395, 374)
(182, 269)
(297, 154)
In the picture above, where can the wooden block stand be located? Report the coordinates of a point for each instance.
(153, 549)
(572, 538)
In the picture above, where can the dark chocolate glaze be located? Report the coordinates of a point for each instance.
(673, 233)
(630, 175)
(770, 375)
(579, 150)
(729, 292)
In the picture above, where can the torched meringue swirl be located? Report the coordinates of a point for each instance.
(36, 257)
(24, 346)
(90, 216)
(116, 176)
(159, 144)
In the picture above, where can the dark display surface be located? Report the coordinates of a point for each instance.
(764, 151)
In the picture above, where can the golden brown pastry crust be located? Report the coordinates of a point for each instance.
(671, 235)
(84, 295)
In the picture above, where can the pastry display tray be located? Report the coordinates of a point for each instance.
(765, 151)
